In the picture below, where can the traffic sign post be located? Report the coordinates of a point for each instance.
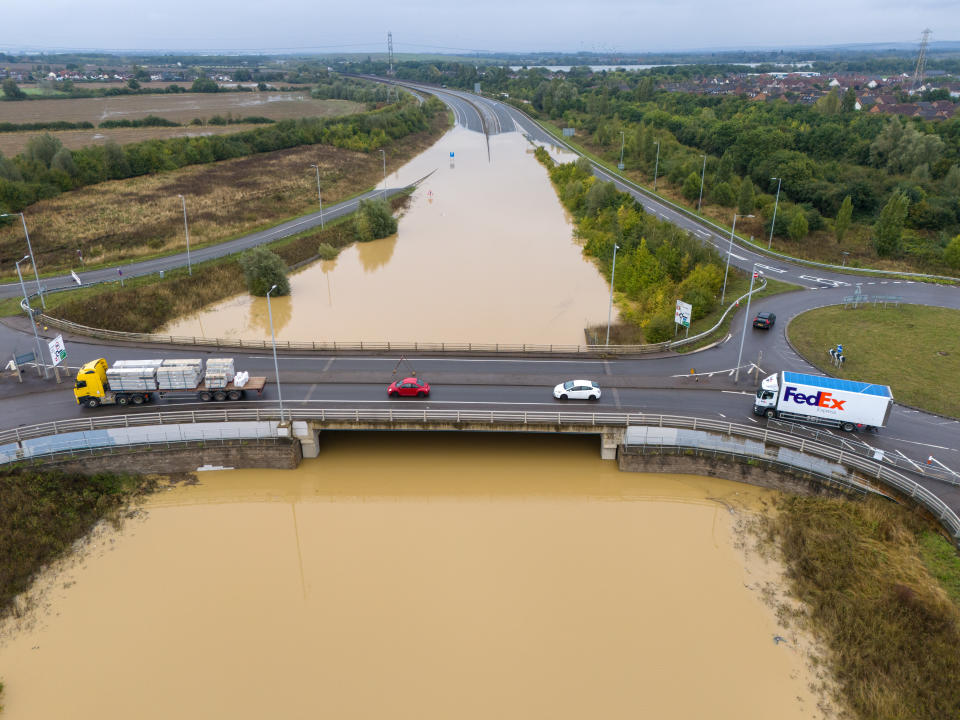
(58, 353)
(681, 315)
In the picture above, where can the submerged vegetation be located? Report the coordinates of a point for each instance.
(43, 512)
(872, 578)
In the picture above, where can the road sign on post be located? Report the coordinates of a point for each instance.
(58, 352)
(569, 132)
(682, 314)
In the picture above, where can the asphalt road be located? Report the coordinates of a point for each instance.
(653, 385)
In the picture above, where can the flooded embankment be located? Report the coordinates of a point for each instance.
(484, 253)
(416, 576)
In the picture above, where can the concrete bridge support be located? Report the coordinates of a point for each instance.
(610, 439)
(309, 438)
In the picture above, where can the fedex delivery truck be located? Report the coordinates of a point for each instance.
(846, 404)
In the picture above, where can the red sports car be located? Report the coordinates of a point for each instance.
(410, 386)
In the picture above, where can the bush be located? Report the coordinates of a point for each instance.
(375, 220)
(262, 270)
(326, 251)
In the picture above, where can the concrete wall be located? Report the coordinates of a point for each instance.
(763, 475)
(137, 461)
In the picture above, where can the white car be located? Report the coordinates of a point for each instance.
(577, 390)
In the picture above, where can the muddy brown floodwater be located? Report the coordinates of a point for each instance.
(485, 253)
(416, 576)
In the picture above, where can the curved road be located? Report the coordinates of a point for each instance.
(650, 385)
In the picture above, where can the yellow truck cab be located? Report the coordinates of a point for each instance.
(91, 383)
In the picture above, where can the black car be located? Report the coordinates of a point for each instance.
(764, 320)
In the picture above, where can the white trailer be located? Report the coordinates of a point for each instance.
(834, 402)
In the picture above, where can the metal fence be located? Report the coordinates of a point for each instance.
(866, 467)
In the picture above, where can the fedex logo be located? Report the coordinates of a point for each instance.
(820, 399)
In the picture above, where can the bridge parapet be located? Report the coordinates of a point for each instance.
(614, 429)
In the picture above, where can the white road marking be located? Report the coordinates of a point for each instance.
(771, 269)
(913, 442)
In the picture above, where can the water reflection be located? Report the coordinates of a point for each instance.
(259, 318)
(377, 253)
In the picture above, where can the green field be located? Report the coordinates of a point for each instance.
(914, 349)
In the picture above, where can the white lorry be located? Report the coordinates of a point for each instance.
(846, 404)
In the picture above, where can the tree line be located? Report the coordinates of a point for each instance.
(46, 168)
(896, 181)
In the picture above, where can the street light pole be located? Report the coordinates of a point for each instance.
(620, 164)
(186, 231)
(384, 172)
(613, 273)
(656, 165)
(36, 337)
(729, 252)
(775, 204)
(319, 199)
(273, 340)
(33, 261)
(703, 174)
(746, 316)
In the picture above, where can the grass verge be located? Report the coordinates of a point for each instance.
(890, 628)
(914, 349)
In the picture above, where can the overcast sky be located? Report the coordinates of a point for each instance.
(449, 25)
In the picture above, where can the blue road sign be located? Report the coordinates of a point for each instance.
(29, 357)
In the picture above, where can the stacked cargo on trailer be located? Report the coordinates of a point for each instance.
(137, 381)
(834, 402)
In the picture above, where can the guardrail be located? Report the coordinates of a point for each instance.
(867, 467)
(386, 345)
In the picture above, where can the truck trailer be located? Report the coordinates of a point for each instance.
(134, 382)
(834, 402)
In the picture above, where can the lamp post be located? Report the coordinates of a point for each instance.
(33, 261)
(384, 172)
(775, 204)
(703, 174)
(273, 340)
(753, 276)
(656, 165)
(186, 231)
(620, 164)
(613, 273)
(319, 199)
(723, 295)
(36, 337)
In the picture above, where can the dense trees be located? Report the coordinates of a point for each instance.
(12, 91)
(824, 154)
(374, 220)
